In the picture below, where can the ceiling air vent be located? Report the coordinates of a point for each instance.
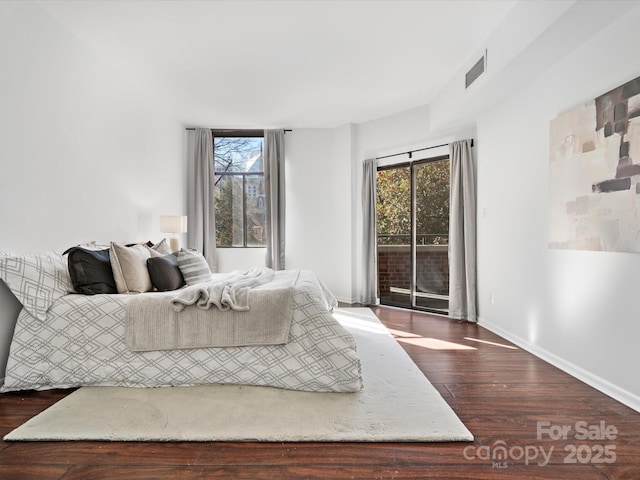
(475, 71)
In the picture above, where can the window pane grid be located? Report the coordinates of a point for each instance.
(239, 192)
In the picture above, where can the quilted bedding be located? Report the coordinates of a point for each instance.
(81, 342)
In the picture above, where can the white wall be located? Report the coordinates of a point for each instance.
(83, 154)
(318, 178)
(578, 309)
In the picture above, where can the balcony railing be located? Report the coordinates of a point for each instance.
(421, 239)
(432, 270)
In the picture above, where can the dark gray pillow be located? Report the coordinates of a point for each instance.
(164, 272)
(90, 271)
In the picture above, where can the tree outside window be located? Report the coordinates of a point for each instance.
(239, 191)
(393, 204)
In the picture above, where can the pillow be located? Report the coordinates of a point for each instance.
(154, 253)
(165, 273)
(193, 266)
(162, 247)
(129, 267)
(90, 271)
(92, 245)
(36, 280)
(148, 243)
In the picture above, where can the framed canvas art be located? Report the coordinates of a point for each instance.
(594, 173)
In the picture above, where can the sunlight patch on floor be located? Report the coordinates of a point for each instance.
(434, 344)
(401, 334)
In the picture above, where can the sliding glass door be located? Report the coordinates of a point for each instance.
(413, 232)
(431, 225)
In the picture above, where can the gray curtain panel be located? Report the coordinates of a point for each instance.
(462, 233)
(201, 221)
(369, 284)
(275, 197)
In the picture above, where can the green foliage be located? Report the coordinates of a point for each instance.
(393, 205)
(432, 202)
(228, 213)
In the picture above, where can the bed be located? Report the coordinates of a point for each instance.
(65, 340)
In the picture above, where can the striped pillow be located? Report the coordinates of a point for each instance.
(193, 266)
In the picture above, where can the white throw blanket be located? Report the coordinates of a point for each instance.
(232, 293)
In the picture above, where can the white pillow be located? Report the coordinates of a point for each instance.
(129, 266)
(36, 280)
(162, 247)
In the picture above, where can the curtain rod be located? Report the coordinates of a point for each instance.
(411, 152)
(235, 129)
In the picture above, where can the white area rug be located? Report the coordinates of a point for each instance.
(397, 404)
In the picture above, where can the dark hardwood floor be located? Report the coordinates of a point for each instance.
(499, 391)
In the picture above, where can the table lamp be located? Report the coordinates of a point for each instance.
(173, 224)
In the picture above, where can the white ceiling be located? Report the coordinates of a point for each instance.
(304, 63)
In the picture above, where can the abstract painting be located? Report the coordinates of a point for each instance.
(594, 173)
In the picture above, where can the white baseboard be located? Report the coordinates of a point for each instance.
(349, 301)
(599, 383)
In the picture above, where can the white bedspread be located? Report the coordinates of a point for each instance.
(82, 343)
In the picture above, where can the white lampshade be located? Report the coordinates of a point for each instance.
(173, 223)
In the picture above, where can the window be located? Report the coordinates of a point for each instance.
(239, 189)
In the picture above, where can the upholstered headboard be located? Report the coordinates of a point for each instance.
(9, 309)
